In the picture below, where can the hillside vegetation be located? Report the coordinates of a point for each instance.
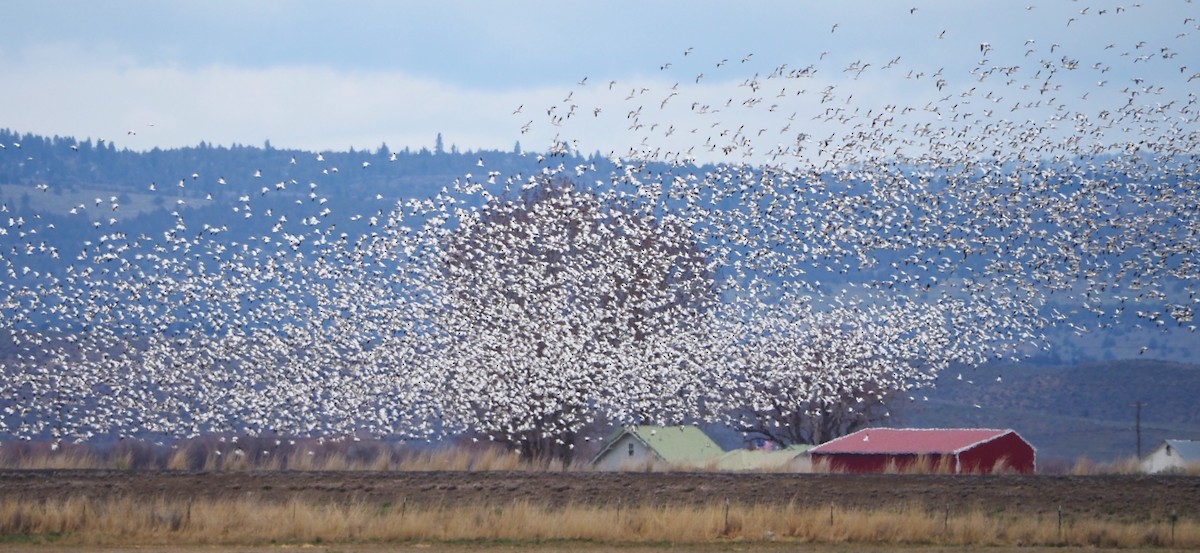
(1073, 406)
(1069, 411)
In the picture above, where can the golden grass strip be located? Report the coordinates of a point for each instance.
(245, 521)
(247, 453)
(255, 454)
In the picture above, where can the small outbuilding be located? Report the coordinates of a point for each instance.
(788, 459)
(1173, 456)
(953, 450)
(656, 447)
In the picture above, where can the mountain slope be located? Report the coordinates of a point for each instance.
(1069, 411)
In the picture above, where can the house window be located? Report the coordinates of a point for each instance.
(631, 449)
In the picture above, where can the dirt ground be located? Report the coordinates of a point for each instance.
(573, 547)
(1106, 497)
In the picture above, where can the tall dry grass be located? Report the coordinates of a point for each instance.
(214, 454)
(138, 521)
(251, 453)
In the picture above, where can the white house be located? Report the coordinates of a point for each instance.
(656, 447)
(1173, 455)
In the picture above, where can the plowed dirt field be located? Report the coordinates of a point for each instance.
(1111, 497)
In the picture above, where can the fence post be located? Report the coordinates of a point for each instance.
(726, 529)
(1174, 518)
(1060, 515)
(946, 520)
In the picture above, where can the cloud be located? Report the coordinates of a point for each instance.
(315, 80)
(65, 90)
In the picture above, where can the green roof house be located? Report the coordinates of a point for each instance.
(643, 448)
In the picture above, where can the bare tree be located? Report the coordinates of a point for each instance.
(808, 376)
(559, 305)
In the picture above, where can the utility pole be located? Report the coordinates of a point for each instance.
(1138, 426)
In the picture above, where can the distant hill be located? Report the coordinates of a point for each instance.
(69, 165)
(1065, 408)
(84, 188)
(1068, 411)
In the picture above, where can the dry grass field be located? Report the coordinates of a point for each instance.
(106, 509)
(129, 521)
(213, 498)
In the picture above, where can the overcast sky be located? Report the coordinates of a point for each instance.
(326, 75)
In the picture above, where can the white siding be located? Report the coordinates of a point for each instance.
(627, 454)
(1164, 458)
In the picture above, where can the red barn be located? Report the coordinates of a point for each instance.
(957, 451)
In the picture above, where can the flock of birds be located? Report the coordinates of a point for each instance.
(786, 250)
